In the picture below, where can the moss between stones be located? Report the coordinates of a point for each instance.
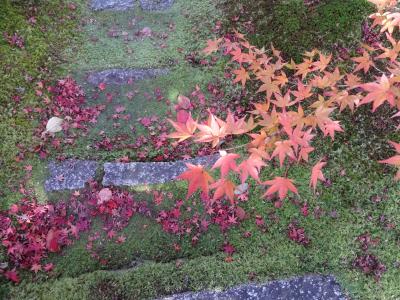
(21, 69)
(294, 28)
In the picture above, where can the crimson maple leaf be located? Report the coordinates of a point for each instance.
(316, 174)
(198, 178)
(12, 275)
(281, 185)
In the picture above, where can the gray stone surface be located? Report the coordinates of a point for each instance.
(313, 287)
(138, 173)
(122, 76)
(111, 4)
(156, 4)
(70, 174)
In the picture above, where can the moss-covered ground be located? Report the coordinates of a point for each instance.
(361, 197)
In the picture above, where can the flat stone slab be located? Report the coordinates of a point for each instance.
(122, 76)
(112, 4)
(139, 173)
(156, 4)
(312, 287)
(70, 174)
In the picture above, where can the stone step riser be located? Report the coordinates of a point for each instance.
(74, 174)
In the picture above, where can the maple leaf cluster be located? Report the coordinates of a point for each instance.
(186, 220)
(14, 40)
(29, 231)
(300, 102)
(67, 101)
(367, 262)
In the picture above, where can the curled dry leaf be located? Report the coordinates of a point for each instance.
(54, 125)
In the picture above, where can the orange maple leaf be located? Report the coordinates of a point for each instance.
(322, 63)
(213, 131)
(197, 178)
(316, 174)
(302, 92)
(226, 163)
(379, 92)
(224, 187)
(395, 160)
(281, 185)
(183, 130)
(364, 62)
(250, 167)
(212, 46)
(391, 53)
(241, 76)
(283, 149)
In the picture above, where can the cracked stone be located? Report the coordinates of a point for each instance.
(139, 173)
(112, 4)
(312, 287)
(70, 174)
(122, 76)
(156, 4)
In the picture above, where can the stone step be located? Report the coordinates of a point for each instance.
(138, 173)
(312, 287)
(112, 4)
(73, 174)
(149, 5)
(154, 5)
(122, 76)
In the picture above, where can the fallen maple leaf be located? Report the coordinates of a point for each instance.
(241, 76)
(102, 86)
(212, 46)
(378, 93)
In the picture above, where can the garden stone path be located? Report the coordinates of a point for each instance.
(138, 173)
(156, 4)
(112, 4)
(122, 76)
(313, 287)
(70, 174)
(74, 174)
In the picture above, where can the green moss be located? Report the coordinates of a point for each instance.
(20, 70)
(294, 28)
(184, 27)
